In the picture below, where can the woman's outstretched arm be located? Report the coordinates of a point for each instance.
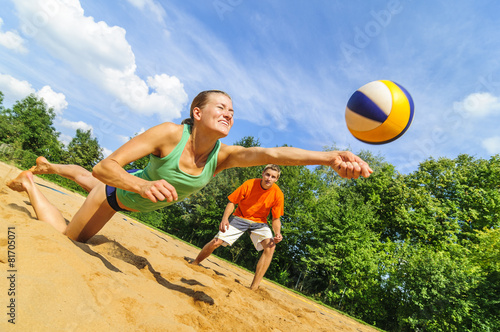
(345, 163)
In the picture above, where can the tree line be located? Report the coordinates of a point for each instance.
(27, 131)
(403, 252)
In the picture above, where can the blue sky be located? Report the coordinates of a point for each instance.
(120, 67)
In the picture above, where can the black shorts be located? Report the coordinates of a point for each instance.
(111, 195)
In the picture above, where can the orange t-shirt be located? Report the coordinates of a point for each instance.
(255, 203)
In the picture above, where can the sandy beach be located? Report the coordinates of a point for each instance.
(131, 277)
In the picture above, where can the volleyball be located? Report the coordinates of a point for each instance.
(379, 112)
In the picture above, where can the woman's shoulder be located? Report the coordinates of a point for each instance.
(167, 130)
(170, 126)
(164, 137)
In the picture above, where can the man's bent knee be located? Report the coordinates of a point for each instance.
(268, 245)
(216, 243)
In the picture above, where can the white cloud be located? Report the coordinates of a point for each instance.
(65, 139)
(100, 53)
(123, 139)
(150, 5)
(16, 90)
(478, 104)
(53, 99)
(76, 125)
(106, 152)
(12, 40)
(492, 145)
(140, 131)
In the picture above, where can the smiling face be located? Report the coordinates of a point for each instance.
(216, 114)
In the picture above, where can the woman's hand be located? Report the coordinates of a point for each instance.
(350, 166)
(159, 190)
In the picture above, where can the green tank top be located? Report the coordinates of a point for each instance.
(168, 168)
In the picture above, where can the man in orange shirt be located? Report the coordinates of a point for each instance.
(255, 199)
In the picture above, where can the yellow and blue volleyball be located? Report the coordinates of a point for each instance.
(379, 112)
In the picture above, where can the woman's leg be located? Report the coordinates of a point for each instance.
(92, 216)
(44, 210)
(88, 220)
(75, 173)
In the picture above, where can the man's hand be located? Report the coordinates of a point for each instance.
(224, 226)
(277, 238)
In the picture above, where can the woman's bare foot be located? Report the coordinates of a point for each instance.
(42, 166)
(22, 182)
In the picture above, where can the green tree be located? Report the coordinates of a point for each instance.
(139, 163)
(485, 293)
(342, 251)
(83, 150)
(300, 188)
(6, 126)
(427, 288)
(30, 128)
(467, 191)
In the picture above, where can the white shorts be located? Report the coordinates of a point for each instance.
(237, 226)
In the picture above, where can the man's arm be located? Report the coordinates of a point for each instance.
(224, 225)
(276, 224)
